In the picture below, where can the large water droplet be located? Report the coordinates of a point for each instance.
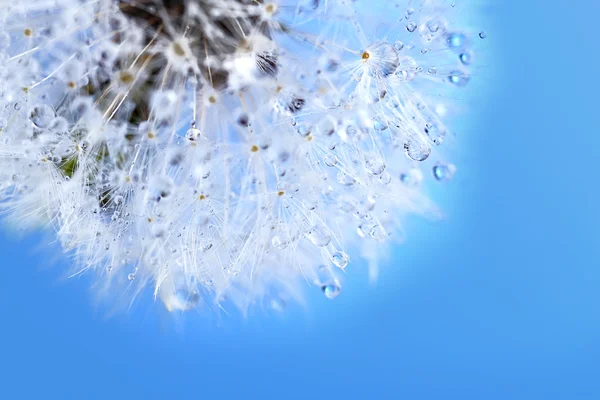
(42, 116)
(331, 290)
(458, 78)
(340, 259)
(319, 235)
(374, 164)
(443, 172)
(417, 150)
(455, 40)
(381, 59)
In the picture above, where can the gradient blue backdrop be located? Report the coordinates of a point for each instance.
(498, 302)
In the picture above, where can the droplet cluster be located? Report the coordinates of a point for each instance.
(225, 150)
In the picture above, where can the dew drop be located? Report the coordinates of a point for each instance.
(340, 259)
(417, 150)
(443, 172)
(319, 236)
(331, 290)
(42, 116)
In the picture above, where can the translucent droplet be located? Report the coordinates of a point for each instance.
(443, 172)
(381, 59)
(374, 164)
(131, 276)
(455, 40)
(417, 150)
(465, 58)
(398, 45)
(411, 26)
(330, 160)
(379, 123)
(319, 236)
(331, 290)
(42, 116)
(340, 259)
(482, 35)
(458, 78)
(378, 233)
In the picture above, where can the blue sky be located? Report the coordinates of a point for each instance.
(500, 301)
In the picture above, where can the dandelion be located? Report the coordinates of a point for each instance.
(224, 150)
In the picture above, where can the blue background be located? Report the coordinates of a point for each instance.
(500, 301)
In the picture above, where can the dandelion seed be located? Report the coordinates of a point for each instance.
(224, 149)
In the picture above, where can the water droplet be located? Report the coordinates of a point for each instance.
(482, 35)
(465, 58)
(374, 164)
(330, 160)
(331, 290)
(411, 26)
(417, 150)
(131, 276)
(379, 123)
(455, 40)
(340, 259)
(444, 172)
(458, 78)
(319, 236)
(42, 116)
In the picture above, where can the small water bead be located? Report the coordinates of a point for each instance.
(435, 133)
(378, 233)
(482, 35)
(319, 236)
(398, 45)
(131, 276)
(330, 160)
(466, 58)
(417, 150)
(42, 116)
(458, 78)
(374, 164)
(443, 172)
(432, 70)
(385, 178)
(456, 40)
(340, 259)
(331, 290)
(380, 123)
(411, 26)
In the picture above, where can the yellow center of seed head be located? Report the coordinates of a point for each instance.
(254, 148)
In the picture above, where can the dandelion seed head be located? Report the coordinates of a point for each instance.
(224, 151)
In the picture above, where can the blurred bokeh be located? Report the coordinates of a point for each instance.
(499, 301)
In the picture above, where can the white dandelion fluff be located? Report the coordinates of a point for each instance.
(224, 149)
